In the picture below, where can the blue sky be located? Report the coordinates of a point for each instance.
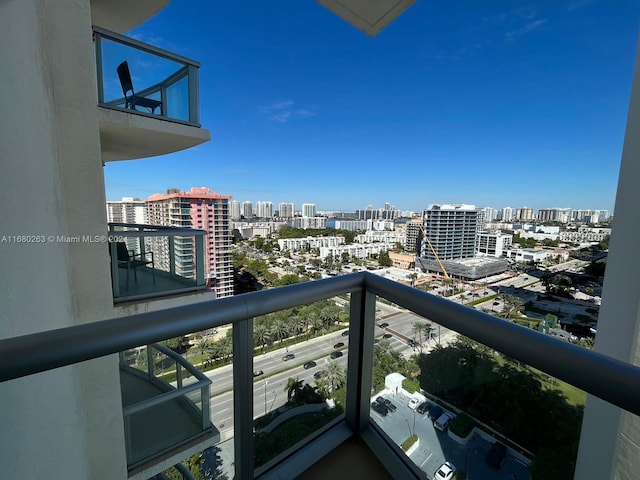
(497, 103)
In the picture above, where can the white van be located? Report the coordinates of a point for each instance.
(442, 422)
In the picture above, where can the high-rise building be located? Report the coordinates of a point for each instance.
(308, 210)
(506, 214)
(524, 214)
(413, 235)
(236, 212)
(201, 209)
(493, 244)
(128, 210)
(247, 209)
(451, 229)
(264, 209)
(286, 210)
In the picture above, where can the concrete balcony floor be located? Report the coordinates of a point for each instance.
(143, 286)
(340, 464)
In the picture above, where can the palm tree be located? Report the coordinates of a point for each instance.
(335, 375)
(293, 388)
(261, 335)
(427, 329)
(204, 347)
(280, 329)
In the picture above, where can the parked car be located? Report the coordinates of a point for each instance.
(387, 403)
(381, 408)
(318, 375)
(423, 408)
(435, 412)
(387, 335)
(288, 356)
(384, 325)
(309, 365)
(413, 403)
(338, 345)
(345, 333)
(497, 455)
(336, 354)
(446, 472)
(442, 423)
(496, 303)
(257, 373)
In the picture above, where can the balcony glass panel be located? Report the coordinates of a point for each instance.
(300, 373)
(156, 261)
(442, 397)
(167, 78)
(162, 398)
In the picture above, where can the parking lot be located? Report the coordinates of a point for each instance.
(437, 447)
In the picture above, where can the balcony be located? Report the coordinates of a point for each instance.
(130, 130)
(162, 416)
(164, 261)
(555, 375)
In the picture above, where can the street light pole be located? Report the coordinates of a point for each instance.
(265, 396)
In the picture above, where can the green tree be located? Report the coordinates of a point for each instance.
(261, 335)
(384, 260)
(335, 375)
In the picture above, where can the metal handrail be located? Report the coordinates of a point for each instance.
(132, 42)
(156, 231)
(203, 381)
(610, 379)
(179, 230)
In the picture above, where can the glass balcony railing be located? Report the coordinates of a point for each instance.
(150, 261)
(155, 83)
(157, 383)
(420, 380)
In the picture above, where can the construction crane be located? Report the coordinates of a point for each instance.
(444, 270)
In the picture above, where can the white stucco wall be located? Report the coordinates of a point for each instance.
(610, 439)
(66, 423)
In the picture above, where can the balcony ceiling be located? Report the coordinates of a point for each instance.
(370, 16)
(126, 136)
(122, 15)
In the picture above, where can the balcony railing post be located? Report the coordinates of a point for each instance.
(193, 95)
(243, 398)
(150, 362)
(205, 398)
(115, 275)
(200, 260)
(360, 364)
(141, 242)
(178, 375)
(98, 44)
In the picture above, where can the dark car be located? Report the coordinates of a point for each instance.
(496, 303)
(309, 365)
(387, 335)
(345, 333)
(423, 408)
(384, 325)
(381, 408)
(435, 412)
(318, 375)
(389, 404)
(497, 455)
(288, 356)
(335, 355)
(338, 345)
(257, 373)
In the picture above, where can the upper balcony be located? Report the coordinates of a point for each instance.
(155, 261)
(148, 99)
(123, 15)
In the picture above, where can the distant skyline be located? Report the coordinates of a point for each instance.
(493, 105)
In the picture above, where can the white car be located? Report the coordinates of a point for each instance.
(413, 403)
(445, 472)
